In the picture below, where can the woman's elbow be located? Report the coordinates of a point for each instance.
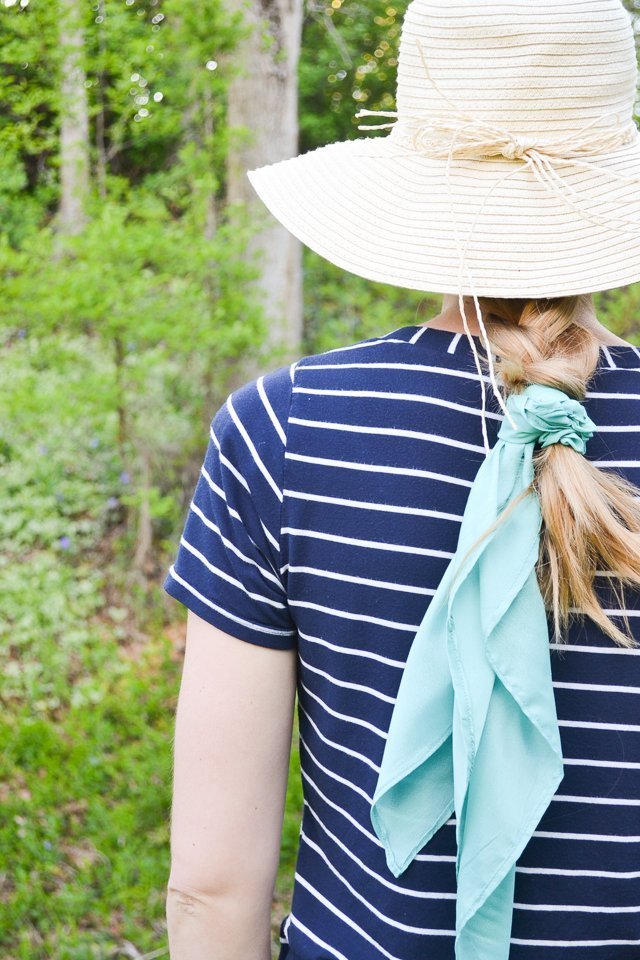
(221, 923)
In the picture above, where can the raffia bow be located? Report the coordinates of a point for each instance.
(437, 136)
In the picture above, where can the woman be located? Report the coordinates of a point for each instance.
(426, 535)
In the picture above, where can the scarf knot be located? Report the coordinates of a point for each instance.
(545, 415)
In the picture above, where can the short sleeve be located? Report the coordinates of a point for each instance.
(228, 566)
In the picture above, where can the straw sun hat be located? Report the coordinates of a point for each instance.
(512, 168)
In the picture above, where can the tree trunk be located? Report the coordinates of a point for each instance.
(74, 121)
(263, 97)
(101, 147)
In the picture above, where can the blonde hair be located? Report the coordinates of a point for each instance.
(591, 516)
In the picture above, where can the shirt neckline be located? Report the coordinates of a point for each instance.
(455, 342)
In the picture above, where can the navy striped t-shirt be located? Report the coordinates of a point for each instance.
(328, 508)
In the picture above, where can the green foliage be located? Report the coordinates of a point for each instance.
(116, 347)
(355, 65)
(619, 310)
(85, 807)
(337, 313)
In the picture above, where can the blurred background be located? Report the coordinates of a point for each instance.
(141, 280)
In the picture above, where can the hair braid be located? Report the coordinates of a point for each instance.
(591, 517)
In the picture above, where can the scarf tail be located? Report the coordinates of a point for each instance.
(475, 717)
(520, 748)
(414, 792)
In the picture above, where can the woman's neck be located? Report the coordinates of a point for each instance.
(450, 318)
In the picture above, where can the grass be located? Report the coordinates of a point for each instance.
(84, 805)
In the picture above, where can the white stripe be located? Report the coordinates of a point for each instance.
(611, 612)
(254, 453)
(600, 687)
(585, 648)
(292, 370)
(573, 908)
(229, 579)
(293, 920)
(634, 727)
(365, 581)
(366, 505)
(228, 464)
(358, 617)
(272, 540)
(616, 463)
(267, 574)
(336, 912)
(398, 366)
(454, 343)
(363, 344)
(397, 924)
(623, 429)
(216, 489)
(608, 356)
(338, 746)
(221, 493)
(272, 416)
(355, 652)
(333, 775)
(419, 333)
(369, 544)
(574, 943)
(343, 716)
(230, 616)
(598, 394)
(590, 837)
(409, 397)
(340, 810)
(618, 764)
(438, 857)
(379, 468)
(556, 871)
(361, 688)
(604, 801)
(395, 432)
(234, 513)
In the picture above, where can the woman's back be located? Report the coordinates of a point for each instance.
(328, 509)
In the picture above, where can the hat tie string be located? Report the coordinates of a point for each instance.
(466, 137)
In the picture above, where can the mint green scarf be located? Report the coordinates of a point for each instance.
(474, 728)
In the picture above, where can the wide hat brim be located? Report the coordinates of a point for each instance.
(383, 212)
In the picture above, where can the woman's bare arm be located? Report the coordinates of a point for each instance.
(231, 761)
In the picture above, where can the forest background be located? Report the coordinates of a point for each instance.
(141, 281)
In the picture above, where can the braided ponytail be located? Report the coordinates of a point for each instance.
(591, 517)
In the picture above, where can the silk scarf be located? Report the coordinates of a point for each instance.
(474, 727)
